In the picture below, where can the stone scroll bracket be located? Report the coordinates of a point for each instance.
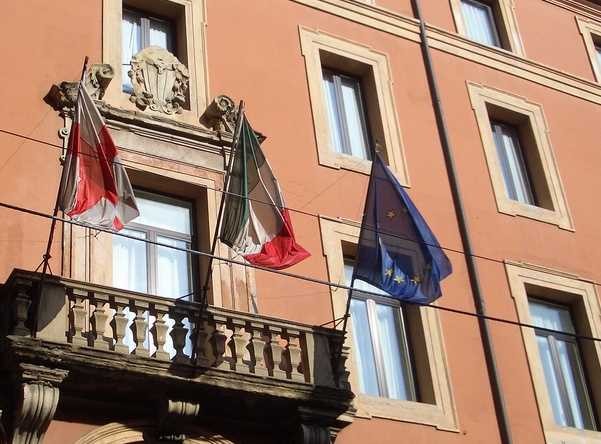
(36, 399)
(62, 97)
(317, 426)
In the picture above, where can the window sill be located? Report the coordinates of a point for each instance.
(570, 435)
(406, 411)
(514, 208)
(344, 161)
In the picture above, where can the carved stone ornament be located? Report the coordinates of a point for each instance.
(220, 115)
(160, 81)
(37, 398)
(63, 96)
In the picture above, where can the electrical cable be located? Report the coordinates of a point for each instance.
(293, 275)
(132, 163)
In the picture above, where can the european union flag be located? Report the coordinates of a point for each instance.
(397, 251)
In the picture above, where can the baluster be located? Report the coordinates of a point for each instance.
(22, 304)
(120, 324)
(257, 342)
(160, 331)
(80, 318)
(275, 336)
(178, 334)
(141, 323)
(294, 355)
(101, 315)
(219, 342)
(204, 351)
(240, 342)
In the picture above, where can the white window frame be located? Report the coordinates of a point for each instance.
(194, 21)
(591, 31)
(505, 19)
(480, 97)
(442, 412)
(574, 290)
(312, 42)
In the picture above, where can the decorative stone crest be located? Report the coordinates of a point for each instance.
(160, 81)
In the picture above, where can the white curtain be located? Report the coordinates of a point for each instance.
(129, 262)
(131, 43)
(479, 22)
(513, 166)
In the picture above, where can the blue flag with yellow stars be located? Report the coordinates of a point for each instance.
(397, 251)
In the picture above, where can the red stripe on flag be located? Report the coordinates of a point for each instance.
(282, 251)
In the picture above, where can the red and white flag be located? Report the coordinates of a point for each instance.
(95, 188)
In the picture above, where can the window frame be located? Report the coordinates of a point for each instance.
(492, 22)
(337, 77)
(192, 52)
(315, 43)
(567, 289)
(505, 21)
(556, 210)
(431, 372)
(553, 338)
(402, 334)
(145, 19)
(529, 190)
(591, 35)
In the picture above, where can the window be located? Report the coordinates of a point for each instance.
(513, 166)
(591, 33)
(563, 369)
(140, 31)
(351, 96)
(129, 26)
(346, 114)
(149, 268)
(397, 364)
(480, 23)
(562, 365)
(380, 343)
(524, 175)
(488, 22)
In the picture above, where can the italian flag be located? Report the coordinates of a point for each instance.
(256, 223)
(95, 188)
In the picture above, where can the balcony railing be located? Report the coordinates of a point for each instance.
(160, 330)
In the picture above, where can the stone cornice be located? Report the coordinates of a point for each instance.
(582, 7)
(452, 43)
(105, 367)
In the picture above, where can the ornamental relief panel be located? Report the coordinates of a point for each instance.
(160, 81)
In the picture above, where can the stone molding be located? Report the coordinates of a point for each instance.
(442, 413)
(191, 29)
(480, 96)
(134, 432)
(37, 399)
(588, 29)
(313, 42)
(440, 39)
(160, 81)
(578, 7)
(582, 297)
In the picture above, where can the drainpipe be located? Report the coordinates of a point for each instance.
(491, 364)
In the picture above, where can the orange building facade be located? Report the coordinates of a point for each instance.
(502, 168)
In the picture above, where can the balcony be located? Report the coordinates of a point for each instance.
(117, 348)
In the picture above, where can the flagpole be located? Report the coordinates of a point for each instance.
(204, 295)
(46, 257)
(350, 294)
(226, 181)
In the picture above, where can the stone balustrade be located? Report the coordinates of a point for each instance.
(157, 329)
